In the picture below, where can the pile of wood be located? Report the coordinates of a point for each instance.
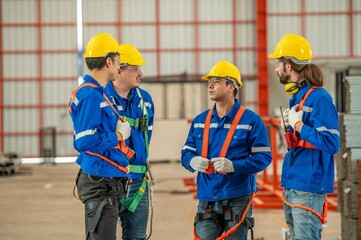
(9, 163)
(349, 161)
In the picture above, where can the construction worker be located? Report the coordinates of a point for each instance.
(227, 145)
(98, 130)
(313, 138)
(137, 108)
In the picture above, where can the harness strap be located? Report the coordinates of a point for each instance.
(226, 142)
(94, 222)
(322, 218)
(234, 228)
(302, 143)
(132, 203)
(123, 169)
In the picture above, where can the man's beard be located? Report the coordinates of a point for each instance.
(284, 78)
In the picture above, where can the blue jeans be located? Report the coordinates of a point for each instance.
(134, 225)
(302, 223)
(210, 229)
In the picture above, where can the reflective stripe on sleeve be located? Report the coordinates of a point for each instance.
(333, 131)
(188, 147)
(84, 133)
(260, 149)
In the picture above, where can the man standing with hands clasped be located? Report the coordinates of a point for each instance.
(136, 106)
(312, 135)
(99, 136)
(227, 145)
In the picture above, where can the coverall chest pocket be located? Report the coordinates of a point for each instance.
(198, 138)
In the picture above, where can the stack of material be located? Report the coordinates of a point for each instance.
(349, 161)
(9, 163)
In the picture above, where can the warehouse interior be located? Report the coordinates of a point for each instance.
(42, 43)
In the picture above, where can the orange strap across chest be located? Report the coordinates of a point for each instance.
(302, 143)
(229, 136)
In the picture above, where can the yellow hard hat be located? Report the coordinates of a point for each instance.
(101, 45)
(224, 69)
(293, 45)
(130, 55)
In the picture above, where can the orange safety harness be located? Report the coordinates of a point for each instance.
(294, 142)
(227, 141)
(128, 152)
(292, 139)
(223, 153)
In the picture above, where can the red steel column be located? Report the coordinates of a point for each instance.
(157, 30)
(1, 83)
(262, 57)
(40, 75)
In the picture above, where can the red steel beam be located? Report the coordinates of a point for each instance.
(262, 57)
(40, 72)
(1, 85)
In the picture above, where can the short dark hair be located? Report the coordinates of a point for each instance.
(99, 63)
(235, 91)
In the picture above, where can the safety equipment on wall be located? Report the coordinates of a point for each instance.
(101, 45)
(224, 69)
(199, 163)
(222, 165)
(294, 116)
(293, 46)
(123, 127)
(129, 55)
(292, 88)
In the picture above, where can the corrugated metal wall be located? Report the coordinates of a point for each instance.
(39, 59)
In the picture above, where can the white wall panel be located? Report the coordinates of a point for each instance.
(357, 34)
(174, 63)
(277, 6)
(209, 58)
(58, 38)
(245, 9)
(175, 10)
(20, 93)
(26, 11)
(211, 10)
(27, 145)
(325, 5)
(137, 10)
(139, 36)
(150, 68)
(25, 38)
(246, 63)
(58, 10)
(181, 36)
(21, 120)
(25, 66)
(61, 64)
(318, 33)
(215, 36)
(97, 11)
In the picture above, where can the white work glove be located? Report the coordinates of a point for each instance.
(199, 163)
(222, 165)
(294, 117)
(123, 128)
(285, 117)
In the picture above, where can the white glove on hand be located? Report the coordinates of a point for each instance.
(294, 117)
(199, 163)
(123, 128)
(285, 115)
(222, 165)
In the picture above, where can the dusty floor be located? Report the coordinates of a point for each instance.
(37, 203)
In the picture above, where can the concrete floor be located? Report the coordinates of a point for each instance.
(37, 203)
